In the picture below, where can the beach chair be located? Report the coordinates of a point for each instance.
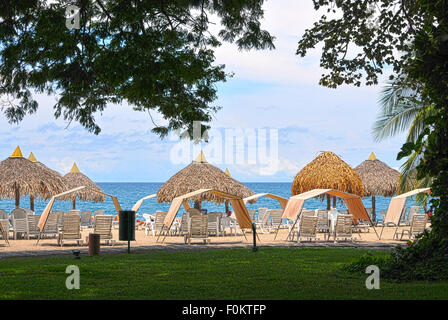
(261, 213)
(103, 227)
(157, 226)
(4, 214)
(98, 212)
(323, 223)
(59, 214)
(86, 219)
(343, 228)
(73, 212)
(252, 213)
(183, 229)
(4, 229)
(214, 223)
(276, 219)
(197, 228)
(149, 220)
(263, 222)
(71, 229)
(307, 228)
(33, 220)
(19, 223)
(228, 222)
(417, 226)
(51, 226)
(412, 211)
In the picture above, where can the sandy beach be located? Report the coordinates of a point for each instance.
(23, 247)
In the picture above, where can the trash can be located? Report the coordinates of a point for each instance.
(94, 244)
(126, 225)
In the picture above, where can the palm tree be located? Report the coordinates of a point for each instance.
(402, 110)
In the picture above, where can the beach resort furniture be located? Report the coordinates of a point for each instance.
(197, 229)
(276, 218)
(98, 212)
(4, 229)
(4, 214)
(214, 223)
(51, 226)
(33, 220)
(73, 212)
(412, 211)
(29, 211)
(59, 214)
(261, 213)
(149, 220)
(86, 219)
(323, 223)
(103, 227)
(417, 226)
(228, 222)
(71, 229)
(343, 227)
(157, 225)
(307, 228)
(19, 223)
(264, 223)
(252, 213)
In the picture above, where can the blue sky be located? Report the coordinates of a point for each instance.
(270, 89)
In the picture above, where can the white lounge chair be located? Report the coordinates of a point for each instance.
(214, 223)
(4, 230)
(51, 226)
(307, 228)
(19, 223)
(33, 220)
(197, 228)
(86, 219)
(263, 223)
(103, 227)
(417, 226)
(71, 229)
(276, 219)
(343, 227)
(158, 224)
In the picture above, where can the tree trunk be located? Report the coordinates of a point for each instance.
(197, 204)
(373, 209)
(17, 197)
(227, 206)
(328, 202)
(74, 204)
(31, 202)
(334, 202)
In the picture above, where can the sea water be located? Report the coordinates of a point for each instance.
(129, 193)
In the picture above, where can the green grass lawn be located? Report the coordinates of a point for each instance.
(271, 273)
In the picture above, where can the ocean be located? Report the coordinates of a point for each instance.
(129, 193)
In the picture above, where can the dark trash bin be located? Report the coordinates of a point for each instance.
(126, 225)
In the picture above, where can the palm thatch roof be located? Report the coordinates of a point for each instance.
(327, 171)
(20, 177)
(76, 178)
(378, 178)
(201, 175)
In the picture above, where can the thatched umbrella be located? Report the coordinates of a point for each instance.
(75, 179)
(33, 159)
(327, 171)
(378, 179)
(20, 177)
(201, 175)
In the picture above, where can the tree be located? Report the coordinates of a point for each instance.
(153, 54)
(403, 110)
(411, 36)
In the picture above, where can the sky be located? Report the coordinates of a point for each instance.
(273, 96)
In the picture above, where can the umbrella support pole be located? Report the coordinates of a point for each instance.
(379, 238)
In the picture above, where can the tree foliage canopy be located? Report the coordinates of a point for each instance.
(153, 54)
